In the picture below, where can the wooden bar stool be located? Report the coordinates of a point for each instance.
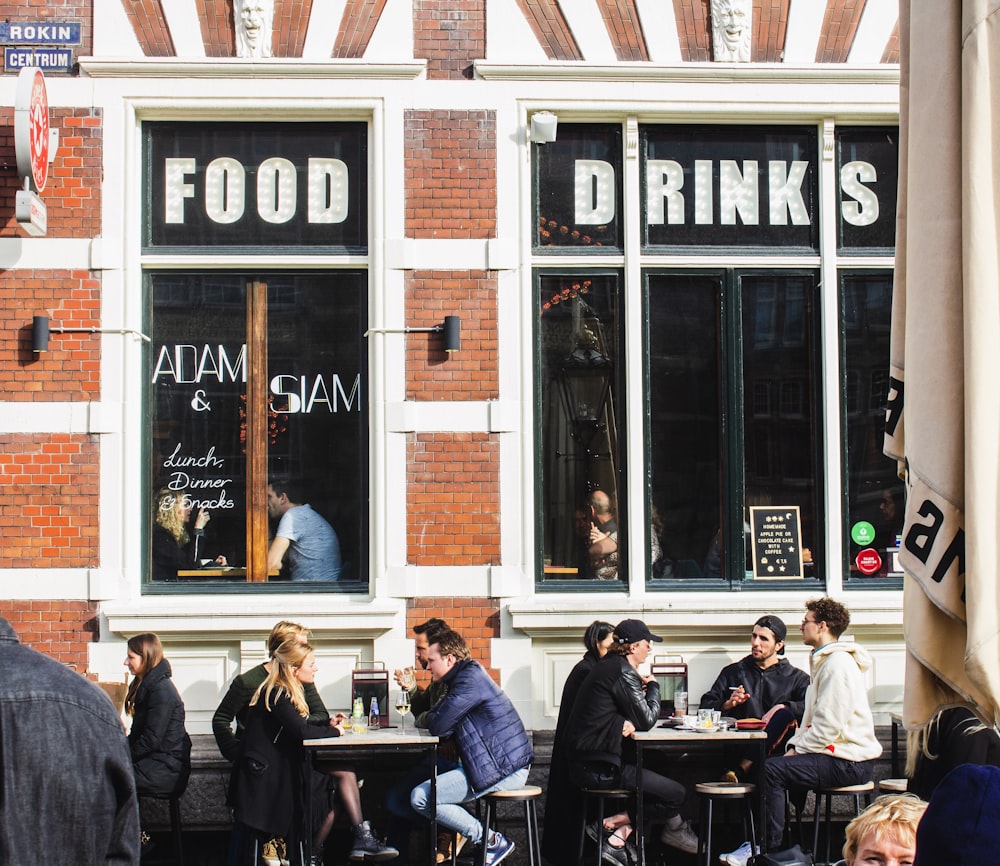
(601, 796)
(527, 795)
(893, 786)
(709, 793)
(856, 791)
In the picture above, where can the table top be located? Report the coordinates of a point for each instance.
(381, 737)
(660, 734)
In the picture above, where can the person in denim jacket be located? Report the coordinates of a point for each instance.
(68, 791)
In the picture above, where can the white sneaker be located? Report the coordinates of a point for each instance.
(683, 838)
(740, 856)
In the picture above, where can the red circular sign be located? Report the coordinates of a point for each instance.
(868, 561)
(31, 127)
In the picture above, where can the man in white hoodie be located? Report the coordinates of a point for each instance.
(836, 743)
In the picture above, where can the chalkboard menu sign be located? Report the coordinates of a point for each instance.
(777, 542)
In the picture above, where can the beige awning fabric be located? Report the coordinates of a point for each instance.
(943, 418)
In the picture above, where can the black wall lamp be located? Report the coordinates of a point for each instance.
(40, 330)
(450, 330)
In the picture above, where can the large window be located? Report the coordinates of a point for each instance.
(256, 378)
(727, 272)
(253, 379)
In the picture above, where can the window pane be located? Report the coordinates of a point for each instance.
(316, 414)
(579, 393)
(867, 169)
(875, 493)
(751, 188)
(685, 426)
(779, 326)
(578, 189)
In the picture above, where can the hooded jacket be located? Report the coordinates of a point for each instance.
(160, 746)
(837, 720)
(487, 729)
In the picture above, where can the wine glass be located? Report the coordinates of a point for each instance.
(403, 706)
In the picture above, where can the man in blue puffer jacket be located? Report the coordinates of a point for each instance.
(492, 743)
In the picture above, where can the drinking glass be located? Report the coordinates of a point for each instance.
(680, 704)
(403, 706)
(409, 678)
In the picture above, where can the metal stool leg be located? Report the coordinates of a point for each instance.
(487, 823)
(175, 829)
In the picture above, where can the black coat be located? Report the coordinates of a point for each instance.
(956, 737)
(169, 557)
(160, 746)
(612, 694)
(561, 795)
(266, 788)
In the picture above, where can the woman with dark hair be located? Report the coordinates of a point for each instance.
(158, 741)
(562, 797)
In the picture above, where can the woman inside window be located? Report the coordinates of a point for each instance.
(174, 548)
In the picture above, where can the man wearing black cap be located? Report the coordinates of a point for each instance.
(761, 685)
(613, 703)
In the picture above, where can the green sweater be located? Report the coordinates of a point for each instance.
(235, 704)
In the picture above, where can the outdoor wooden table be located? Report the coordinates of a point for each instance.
(673, 738)
(378, 746)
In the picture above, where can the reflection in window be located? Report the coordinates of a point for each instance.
(685, 423)
(790, 478)
(578, 362)
(875, 493)
(212, 335)
(706, 470)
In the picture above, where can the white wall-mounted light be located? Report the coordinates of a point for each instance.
(543, 127)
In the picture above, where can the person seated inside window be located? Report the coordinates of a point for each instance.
(174, 548)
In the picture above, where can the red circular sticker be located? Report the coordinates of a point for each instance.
(31, 127)
(868, 561)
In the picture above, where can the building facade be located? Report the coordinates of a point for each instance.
(670, 261)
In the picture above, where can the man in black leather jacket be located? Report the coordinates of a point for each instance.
(614, 702)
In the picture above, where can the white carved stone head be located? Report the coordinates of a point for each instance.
(732, 22)
(253, 19)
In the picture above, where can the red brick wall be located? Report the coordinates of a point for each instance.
(476, 619)
(452, 499)
(450, 163)
(60, 629)
(70, 370)
(471, 373)
(72, 194)
(51, 522)
(449, 35)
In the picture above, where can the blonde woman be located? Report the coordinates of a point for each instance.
(266, 787)
(174, 548)
(160, 746)
(885, 833)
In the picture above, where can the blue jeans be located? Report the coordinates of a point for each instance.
(800, 773)
(397, 803)
(453, 789)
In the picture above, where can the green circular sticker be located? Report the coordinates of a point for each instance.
(863, 532)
